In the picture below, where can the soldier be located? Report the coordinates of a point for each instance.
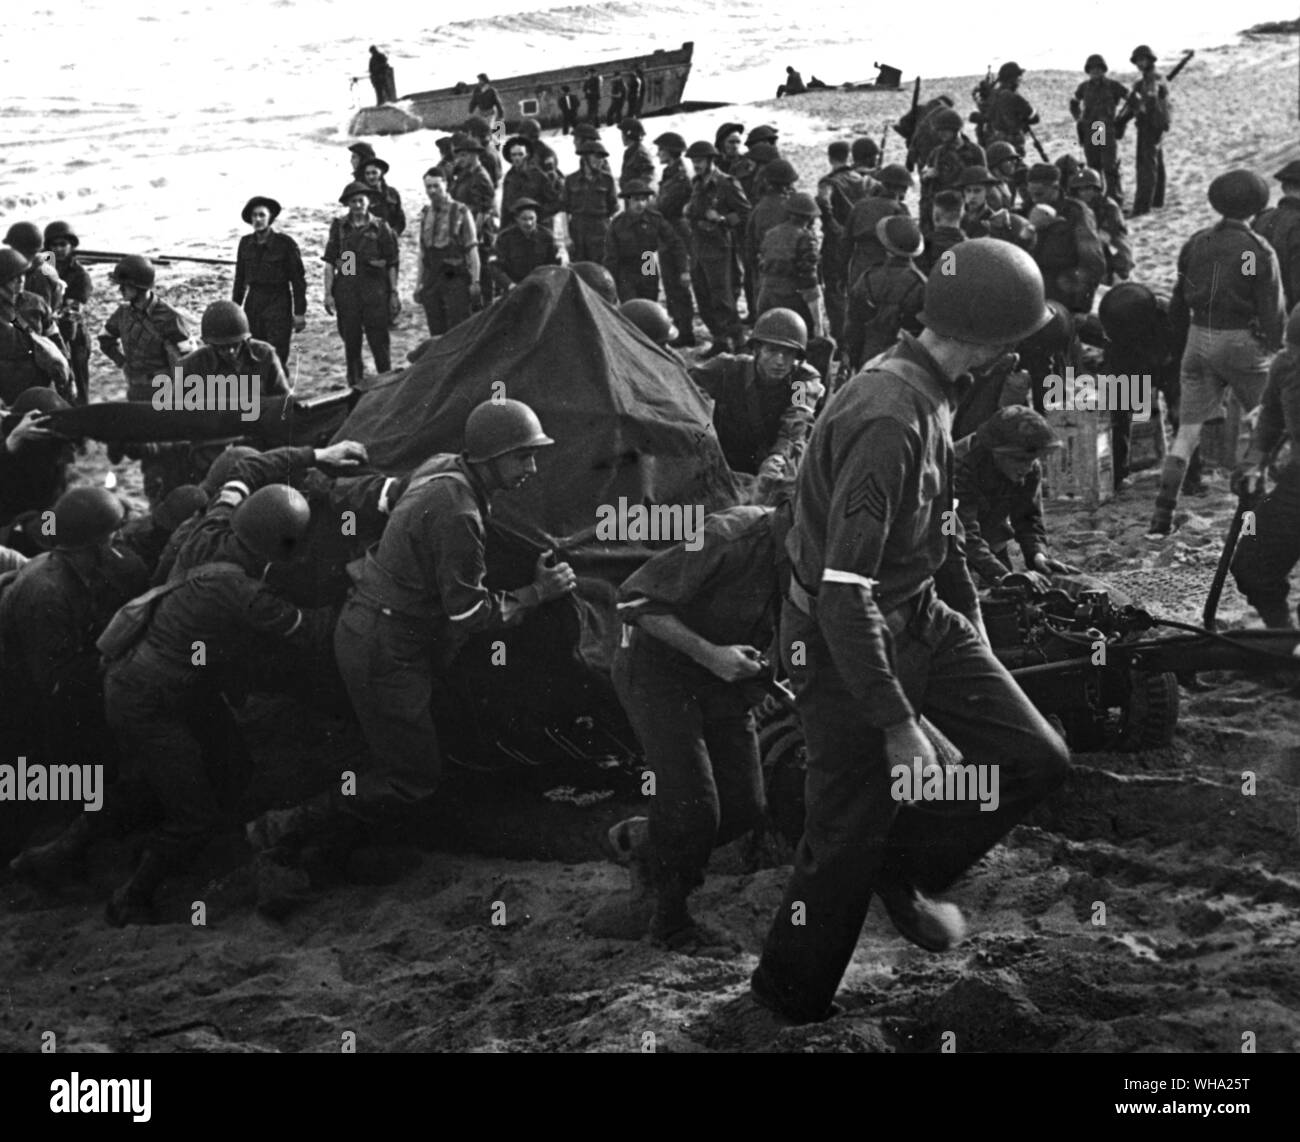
(1094, 108)
(763, 404)
(636, 91)
(674, 194)
(381, 77)
(617, 96)
(860, 233)
(793, 85)
(420, 595)
(1280, 227)
(386, 204)
(944, 165)
(638, 166)
(522, 247)
(998, 486)
(974, 184)
(639, 242)
(447, 158)
(837, 193)
(164, 700)
(531, 130)
(144, 336)
(652, 319)
(696, 624)
(947, 232)
(871, 552)
(591, 93)
(768, 212)
(1111, 227)
(35, 463)
(270, 279)
(717, 212)
(887, 298)
(1230, 286)
(747, 170)
(728, 139)
(1068, 250)
(229, 347)
(789, 264)
(918, 128)
(524, 179)
(475, 188)
(570, 105)
(1267, 554)
(1009, 115)
(480, 130)
(357, 152)
(450, 268)
(866, 161)
(18, 368)
(41, 279)
(1005, 166)
(61, 240)
(590, 200)
(484, 99)
(361, 280)
(1148, 103)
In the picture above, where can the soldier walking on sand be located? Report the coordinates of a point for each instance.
(1148, 103)
(270, 279)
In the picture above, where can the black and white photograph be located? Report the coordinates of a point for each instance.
(659, 529)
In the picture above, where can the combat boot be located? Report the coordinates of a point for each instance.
(626, 915)
(47, 862)
(1276, 616)
(673, 927)
(132, 903)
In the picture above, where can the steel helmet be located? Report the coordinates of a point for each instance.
(632, 126)
(272, 522)
(702, 149)
(900, 235)
(780, 173)
(762, 134)
(671, 141)
(651, 318)
(1128, 312)
(85, 517)
(25, 237)
(224, 323)
(497, 427)
(999, 152)
(1056, 334)
(178, 505)
(40, 398)
(1239, 194)
(598, 278)
(1095, 60)
(56, 230)
(1017, 429)
(993, 296)
(865, 151)
(1087, 177)
(12, 264)
(801, 205)
(135, 270)
(781, 327)
(895, 175)
(1010, 70)
(1142, 51)
(946, 119)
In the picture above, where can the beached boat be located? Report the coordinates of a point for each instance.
(537, 96)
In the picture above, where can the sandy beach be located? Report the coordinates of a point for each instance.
(1201, 883)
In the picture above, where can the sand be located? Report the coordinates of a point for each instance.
(1200, 883)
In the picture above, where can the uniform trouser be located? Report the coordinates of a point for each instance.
(1105, 160)
(387, 662)
(698, 737)
(1150, 164)
(632, 283)
(158, 473)
(678, 296)
(593, 112)
(270, 317)
(587, 233)
(445, 297)
(855, 831)
(1264, 559)
(715, 297)
(182, 741)
(78, 339)
(774, 293)
(835, 287)
(362, 307)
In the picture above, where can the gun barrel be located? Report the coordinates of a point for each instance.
(157, 259)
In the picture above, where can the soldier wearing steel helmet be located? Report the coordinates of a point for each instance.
(589, 201)
(1229, 287)
(882, 626)
(768, 212)
(789, 265)
(18, 369)
(144, 335)
(1112, 230)
(671, 201)
(1094, 107)
(230, 347)
(639, 243)
(1148, 104)
(944, 165)
(717, 212)
(637, 166)
(865, 249)
(420, 595)
(41, 278)
(62, 241)
(763, 404)
(1008, 115)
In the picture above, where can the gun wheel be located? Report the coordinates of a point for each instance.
(1152, 713)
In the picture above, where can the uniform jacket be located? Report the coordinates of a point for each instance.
(1280, 227)
(790, 256)
(674, 191)
(1098, 101)
(637, 164)
(531, 182)
(388, 208)
(885, 300)
(255, 359)
(475, 189)
(517, 254)
(949, 160)
(144, 334)
(629, 239)
(1279, 408)
(768, 211)
(593, 196)
(372, 240)
(720, 192)
(462, 235)
(1212, 288)
(275, 263)
(861, 233)
(994, 510)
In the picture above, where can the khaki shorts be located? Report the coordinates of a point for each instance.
(1215, 361)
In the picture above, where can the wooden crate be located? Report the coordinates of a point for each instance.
(1146, 443)
(1084, 470)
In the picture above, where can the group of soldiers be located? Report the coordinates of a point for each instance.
(846, 563)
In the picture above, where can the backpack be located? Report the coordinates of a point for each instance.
(127, 627)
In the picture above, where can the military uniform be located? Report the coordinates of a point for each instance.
(948, 161)
(789, 262)
(1009, 117)
(18, 369)
(866, 250)
(839, 192)
(755, 418)
(1112, 230)
(638, 166)
(72, 322)
(590, 202)
(271, 285)
(1095, 102)
(145, 342)
(1152, 96)
(869, 554)
(994, 510)
(696, 730)
(477, 190)
(517, 254)
(883, 302)
(674, 194)
(361, 297)
(256, 359)
(419, 596)
(388, 208)
(713, 250)
(937, 243)
(768, 212)
(627, 244)
(447, 236)
(1070, 255)
(531, 182)
(1280, 227)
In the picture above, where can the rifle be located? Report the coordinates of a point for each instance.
(884, 142)
(916, 100)
(157, 259)
(1042, 154)
(1130, 105)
